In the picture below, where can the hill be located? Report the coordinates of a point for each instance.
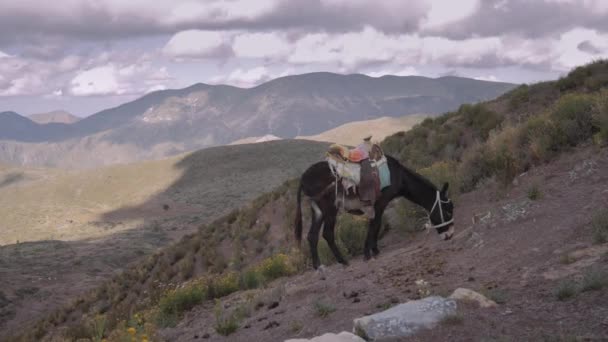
(352, 132)
(515, 163)
(57, 116)
(169, 122)
(65, 231)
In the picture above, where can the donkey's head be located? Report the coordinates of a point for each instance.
(441, 214)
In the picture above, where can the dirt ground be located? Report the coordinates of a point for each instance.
(515, 250)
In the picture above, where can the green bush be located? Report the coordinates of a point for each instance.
(534, 193)
(565, 290)
(519, 96)
(223, 285)
(250, 279)
(599, 226)
(593, 280)
(225, 324)
(600, 117)
(275, 267)
(323, 309)
(179, 300)
(351, 233)
(573, 115)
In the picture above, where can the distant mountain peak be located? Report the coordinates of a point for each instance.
(56, 116)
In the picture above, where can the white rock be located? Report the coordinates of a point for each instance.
(405, 319)
(470, 295)
(329, 337)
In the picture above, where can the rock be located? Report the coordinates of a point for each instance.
(329, 337)
(470, 295)
(405, 319)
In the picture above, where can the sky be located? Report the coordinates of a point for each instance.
(88, 55)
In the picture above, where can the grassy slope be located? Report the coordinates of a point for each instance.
(41, 204)
(465, 141)
(352, 133)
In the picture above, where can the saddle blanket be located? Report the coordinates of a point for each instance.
(351, 172)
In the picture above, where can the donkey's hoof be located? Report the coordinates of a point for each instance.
(367, 257)
(321, 272)
(375, 251)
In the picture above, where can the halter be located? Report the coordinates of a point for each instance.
(443, 221)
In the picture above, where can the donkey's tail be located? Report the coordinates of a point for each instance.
(299, 215)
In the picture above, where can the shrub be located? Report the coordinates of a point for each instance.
(534, 193)
(480, 118)
(323, 309)
(599, 226)
(351, 232)
(441, 172)
(600, 117)
(275, 267)
(573, 116)
(179, 300)
(250, 279)
(593, 280)
(565, 290)
(518, 97)
(542, 137)
(223, 285)
(225, 324)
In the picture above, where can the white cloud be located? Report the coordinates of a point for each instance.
(196, 44)
(4, 55)
(260, 45)
(248, 77)
(443, 12)
(569, 55)
(102, 80)
(112, 79)
(490, 78)
(407, 71)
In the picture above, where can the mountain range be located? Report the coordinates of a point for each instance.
(56, 116)
(168, 122)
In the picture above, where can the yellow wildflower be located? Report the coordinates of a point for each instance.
(131, 331)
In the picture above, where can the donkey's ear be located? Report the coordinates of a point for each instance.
(444, 189)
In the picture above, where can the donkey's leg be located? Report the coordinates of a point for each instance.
(376, 224)
(313, 233)
(368, 242)
(328, 233)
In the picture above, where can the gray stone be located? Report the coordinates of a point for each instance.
(470, 295)
(329, 337)
(405, 319)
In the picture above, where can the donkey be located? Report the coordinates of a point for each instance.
(320, 185)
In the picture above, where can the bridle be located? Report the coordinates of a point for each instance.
(437, 204)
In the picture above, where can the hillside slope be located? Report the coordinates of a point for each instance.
(65, 232)
(57, 116)
(351, 133)
(165, 123)
(526, 172)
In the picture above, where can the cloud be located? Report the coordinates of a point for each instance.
(267, 45)
(407, 71)
(112, 79)
(524, 18)
(490, 78)
(24, 76)
(197, 44)
(248, 77)
(589, 47)
(22, 21)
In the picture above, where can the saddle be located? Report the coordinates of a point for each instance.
(361, 171)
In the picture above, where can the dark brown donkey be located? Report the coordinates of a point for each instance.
(318, 183)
